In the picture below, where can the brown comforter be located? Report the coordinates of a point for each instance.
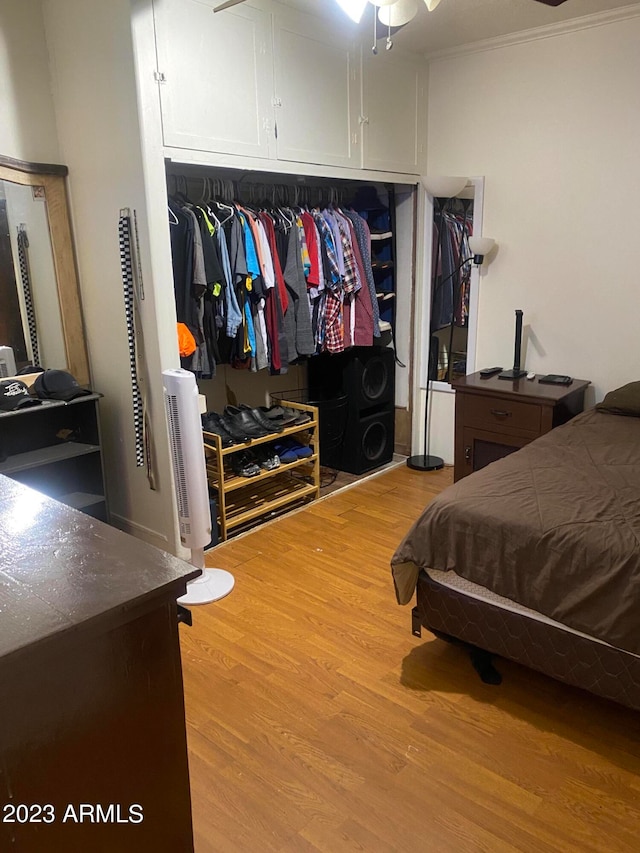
(555, 526)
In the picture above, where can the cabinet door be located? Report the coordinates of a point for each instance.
(316, 92)
(479, 448)
(393, 112)
(218, 77)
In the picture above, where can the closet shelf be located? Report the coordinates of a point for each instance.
(210, 437)
(81, 500)
(45, 456)
(233, 481)
(267, 497)
(383, 235)
(381, 266)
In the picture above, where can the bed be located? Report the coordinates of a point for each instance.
(536, 557)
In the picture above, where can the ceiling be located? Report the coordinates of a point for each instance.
(459, 22)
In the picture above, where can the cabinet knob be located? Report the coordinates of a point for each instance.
(467, 453)
(499, 413)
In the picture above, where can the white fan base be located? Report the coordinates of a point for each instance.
(212, 585)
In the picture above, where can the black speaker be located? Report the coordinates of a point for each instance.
(369, 378)
(368, 441)
(366, 375)
(355, 391)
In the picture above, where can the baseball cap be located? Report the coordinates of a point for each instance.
(15, 395)
(58, 385)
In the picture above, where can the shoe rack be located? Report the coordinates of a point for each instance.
(245, 501)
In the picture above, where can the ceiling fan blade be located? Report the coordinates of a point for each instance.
(227, 5)
(551, 2)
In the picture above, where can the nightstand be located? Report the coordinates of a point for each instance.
(495, 417)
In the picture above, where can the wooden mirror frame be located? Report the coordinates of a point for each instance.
(52, 179)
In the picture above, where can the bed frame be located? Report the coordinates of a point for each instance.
(485, 627)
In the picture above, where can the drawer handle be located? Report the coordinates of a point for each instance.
(499, 413)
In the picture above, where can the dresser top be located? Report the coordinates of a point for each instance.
(60, 569)
(526, 389)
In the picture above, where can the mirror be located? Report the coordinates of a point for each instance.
(40, 316)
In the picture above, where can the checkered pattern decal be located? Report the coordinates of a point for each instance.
(23, 258)
(126, 265)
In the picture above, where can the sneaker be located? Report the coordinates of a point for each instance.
(243, 464)
(266, 457)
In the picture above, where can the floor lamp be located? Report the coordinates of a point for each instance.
(441, 187)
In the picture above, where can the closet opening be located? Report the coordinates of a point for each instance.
(339, 254)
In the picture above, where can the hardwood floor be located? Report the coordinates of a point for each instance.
(317, 722)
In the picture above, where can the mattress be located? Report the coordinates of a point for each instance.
(453, 581)
(469, 612)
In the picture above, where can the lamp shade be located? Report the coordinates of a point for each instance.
(442, 186)
(382, 2)
(431, 4)
(401, 12)
(353, 8)
(481, 245)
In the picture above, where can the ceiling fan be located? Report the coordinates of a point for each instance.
(431, 4)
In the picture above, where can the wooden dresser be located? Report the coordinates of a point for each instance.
(91, 696)
(494, 416)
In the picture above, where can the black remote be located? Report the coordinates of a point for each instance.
(489, 371)
(555, 379)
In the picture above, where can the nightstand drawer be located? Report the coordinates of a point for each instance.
(507, 414)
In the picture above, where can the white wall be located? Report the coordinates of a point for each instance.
(27, 121)
(553, 125)
(102, 142)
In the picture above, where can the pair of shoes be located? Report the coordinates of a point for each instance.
(243, 421)
(286, 417)
(269, 424)
(247, 463)
(211, 422)
(266, 457)
(243, 464)
(278, 416)
(289, 450)
(252, 421)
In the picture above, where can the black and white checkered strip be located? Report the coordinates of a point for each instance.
(23, 245)
(126, 264)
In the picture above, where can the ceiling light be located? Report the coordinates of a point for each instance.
(401, 12)
(353, 8)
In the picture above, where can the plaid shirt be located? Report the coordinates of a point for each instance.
(330, 323)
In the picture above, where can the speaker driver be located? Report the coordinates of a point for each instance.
(375, 379)
(374, 441)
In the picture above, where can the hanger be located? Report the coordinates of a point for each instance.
(173, 219)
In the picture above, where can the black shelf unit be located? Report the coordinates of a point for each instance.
(55, 448)
(381, 220)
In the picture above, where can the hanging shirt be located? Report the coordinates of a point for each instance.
(363, 240)
(303, 343)
(234, 317)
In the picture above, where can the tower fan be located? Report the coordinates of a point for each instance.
(190, 481)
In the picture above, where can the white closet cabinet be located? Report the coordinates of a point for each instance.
(317, 92)
(216, 77)
(393, 113)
